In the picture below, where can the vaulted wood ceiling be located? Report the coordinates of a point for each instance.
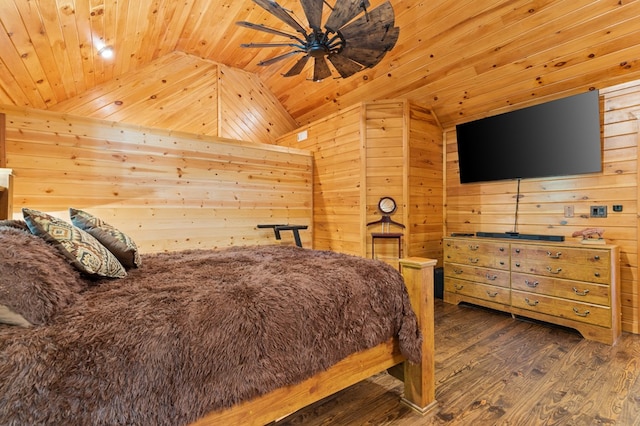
(462, 58)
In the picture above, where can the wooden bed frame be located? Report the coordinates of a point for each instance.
(419, 379)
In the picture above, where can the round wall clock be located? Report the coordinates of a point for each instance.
(387, 205)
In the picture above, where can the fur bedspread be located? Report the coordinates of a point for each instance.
(194, 331)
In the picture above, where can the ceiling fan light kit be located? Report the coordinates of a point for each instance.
(353, 38)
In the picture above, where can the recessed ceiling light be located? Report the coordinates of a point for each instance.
(106, 52)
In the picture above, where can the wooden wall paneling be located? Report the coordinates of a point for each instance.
(336, 144)
(471, 59)
(491, 206)
(33, 48)
(174, 84)
(385, 141)
(72, 53)
(425, 183)
(187, 94)
(631, 283)
(365, 152)
(16, 75)
(365, 182)
(168, 190)
(249, 110)
(583, 59)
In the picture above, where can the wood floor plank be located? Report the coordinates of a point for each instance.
(492, 369)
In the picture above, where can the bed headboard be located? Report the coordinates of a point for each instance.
(6, 193)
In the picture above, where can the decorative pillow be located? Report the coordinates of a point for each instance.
(85, 252)
(36, 280)
(118, 243)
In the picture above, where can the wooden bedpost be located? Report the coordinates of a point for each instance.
(419, 380)
(6, 193)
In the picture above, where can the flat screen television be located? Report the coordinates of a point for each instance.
(556, 138)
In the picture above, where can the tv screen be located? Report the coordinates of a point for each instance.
(557, 138)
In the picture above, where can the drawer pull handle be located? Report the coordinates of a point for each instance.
(557, 271)
(501, 249)
(492, 277)
(517, 250)
(554, 256)
(580, 293)
(473, 248)
(596, 257)
(501, 263)
(459, 287)
(532, 284)
(597, 274)
(458, 271)
(581, 314)
(530, 303)
(492, 294)
(476, 260)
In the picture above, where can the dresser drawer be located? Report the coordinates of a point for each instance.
(573, 263)
(572, 310)
(479, 291)
(580, 291)
(477, 253)
(488, 276)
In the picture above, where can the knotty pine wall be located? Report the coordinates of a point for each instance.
(185, 93)
(370, 150)
(168, 190)
(491, 206)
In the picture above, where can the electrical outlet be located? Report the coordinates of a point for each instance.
(568, 211)
(598, 211)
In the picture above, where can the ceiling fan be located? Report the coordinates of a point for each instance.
(353, 38)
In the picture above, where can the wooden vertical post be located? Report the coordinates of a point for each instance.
(6, 193)
(419, 379)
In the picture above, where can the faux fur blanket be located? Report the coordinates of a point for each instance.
(195, 331)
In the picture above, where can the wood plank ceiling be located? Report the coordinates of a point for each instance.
(463, 58)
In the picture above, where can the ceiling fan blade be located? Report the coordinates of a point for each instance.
(382, 39)
(279, 58)
(321, 69)
(298, 67)
(260, 27)
(345, 66)
(367, 57)
(252, 45)
(343, 12)
(313, 12)
(380, 17)
(281, 13)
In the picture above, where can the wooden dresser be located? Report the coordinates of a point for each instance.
(570, 284)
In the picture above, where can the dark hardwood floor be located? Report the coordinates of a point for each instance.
(492, 369)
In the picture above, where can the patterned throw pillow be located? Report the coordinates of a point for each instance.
(85, 252)
(118, 243)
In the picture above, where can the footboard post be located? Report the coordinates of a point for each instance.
(419, 380)
(6, 193)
